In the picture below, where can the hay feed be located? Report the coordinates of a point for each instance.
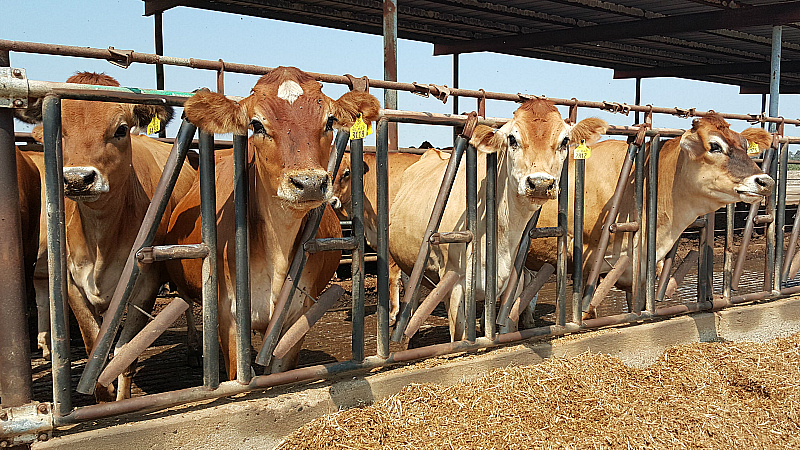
(707, 395)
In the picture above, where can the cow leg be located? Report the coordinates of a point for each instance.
(41, 286)
(194, 348)
(455, 313)
(227, 339)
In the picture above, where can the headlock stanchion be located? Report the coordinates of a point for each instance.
(242, 243)
(382, 200)
(208, 224)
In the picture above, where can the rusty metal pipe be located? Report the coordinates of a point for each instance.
(624, 227)
(451, 237)
(301, 327)
(330, 244)
(507, 300)
(429, 304)
(149, 255)
(530, 291)
(607, 283)
(546, 232)
(665, 270)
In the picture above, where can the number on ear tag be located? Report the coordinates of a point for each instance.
(752, 149)
(582, 151)
(154, 126)
(360, 130)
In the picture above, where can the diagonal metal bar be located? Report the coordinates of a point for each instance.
(507, 300)
(130, 272)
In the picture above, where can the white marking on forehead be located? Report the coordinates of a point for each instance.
(290, 91)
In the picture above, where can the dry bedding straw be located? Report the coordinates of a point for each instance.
(706, 395)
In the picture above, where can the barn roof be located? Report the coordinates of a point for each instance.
(724, 41)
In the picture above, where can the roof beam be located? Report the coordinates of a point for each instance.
(153, 6)
(777, 14)
(706, 69)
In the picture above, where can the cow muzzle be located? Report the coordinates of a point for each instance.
(306, 186)
(84, 184)
(755, 188)
(540, 185)
(335, 202)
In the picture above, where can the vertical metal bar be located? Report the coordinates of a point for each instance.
(390, 63)
(490, 301)
(15, 357)
(775, 75)
(130, 272)
(561, 258)
(763, 107)
(56, 256)
(727, 277)
(702, 286)
(357, 195)
(638, 99)
(241, 195)
(470, 283)
(771, 231)
(382, 177)
(456, 130)
(780, 216)
(577, 243)
(208, 225)
(636, 257)
(411, 296)
(652, 215)
(159, 38)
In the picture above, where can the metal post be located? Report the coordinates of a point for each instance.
(357, 195)
(470, 283)
(159, 31)
(636, 256)
(577, 243)
(56, 256)
(455, 98)
(727, 277)
(382, 178)
(390, 62)
(771, 229)
(638, 99)
(561, 258)
(130, 273)
(780, 217)
(15, 366)
(491, 246)
(208, 225)
(705, 268)
(775, 75)
(652, 215)
(241, 187)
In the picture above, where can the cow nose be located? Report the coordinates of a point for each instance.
(541, 185)
(764, 182)
(310, 186)
(77, 178)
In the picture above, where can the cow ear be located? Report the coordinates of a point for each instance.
(692, 144)
(33, 113)
(487, 140)
(589, 130)
(38, 134)
(215, 113)
(760, 136)
(144, 114)
(351, 104)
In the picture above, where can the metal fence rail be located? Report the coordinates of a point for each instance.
(63, 413)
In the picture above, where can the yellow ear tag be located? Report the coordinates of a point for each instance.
(360, 130)
(154, 126)
(582, 151)
(752, 149)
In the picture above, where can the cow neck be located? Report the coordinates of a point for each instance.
(513, 211)
(679, 202)
(120, 209)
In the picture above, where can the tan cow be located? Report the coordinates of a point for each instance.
(343, 205)
(110, 174)
(531, 150)
(292, 123)
(699, 172)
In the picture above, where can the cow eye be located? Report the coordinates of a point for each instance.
(346, 173)
(512, 141)
(121, 131)
(565, 142)
(329, 124)
(258, 127)
(714, 147)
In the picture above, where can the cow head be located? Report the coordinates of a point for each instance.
(718, 161)
(97, 140)
(341, 200)
(292, 123)
(536, 143)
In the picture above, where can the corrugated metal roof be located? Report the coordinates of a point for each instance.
(695, 53)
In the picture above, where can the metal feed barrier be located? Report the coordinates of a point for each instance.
(22, 421)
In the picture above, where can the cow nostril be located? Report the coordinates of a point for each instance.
(297, 183)
(762, 181)
(324, 185)
(89, 178)
(531, 184)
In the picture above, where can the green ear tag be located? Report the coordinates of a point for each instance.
(582, 151)
(154, 126)
(752, 149)
(360, 130)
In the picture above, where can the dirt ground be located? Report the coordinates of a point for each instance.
(720, 395)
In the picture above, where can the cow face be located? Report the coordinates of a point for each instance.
(718, 161)
(341, 200)
(292, 123)
(536, 143)
(97, 141)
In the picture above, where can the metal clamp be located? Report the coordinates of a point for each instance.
(423, 90)
(14, 83)
(525, 97)
(685, 113)
(469, 125)
(124, 58)
(573, 111)
(441, 92)
(617, 108)
(26, 424)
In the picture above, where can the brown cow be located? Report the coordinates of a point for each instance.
(532, 148)
(30, 203)
(343, 205)
(110, 175)
(292, 123)
(699, 172)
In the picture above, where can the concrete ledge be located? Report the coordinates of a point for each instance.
(261, 420)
